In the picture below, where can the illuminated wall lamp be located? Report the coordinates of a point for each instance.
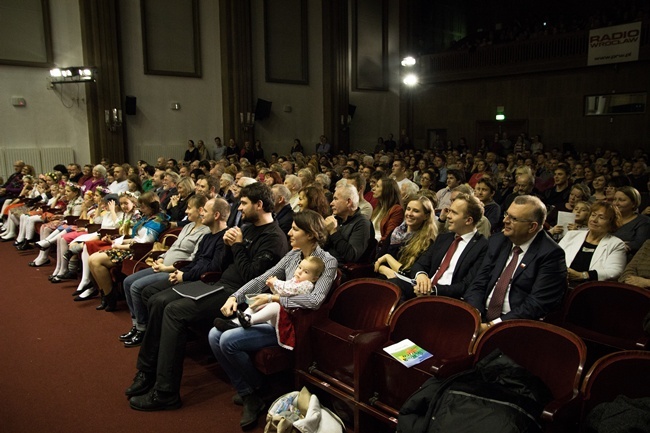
(73, 74)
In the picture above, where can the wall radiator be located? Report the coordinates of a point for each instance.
(51, 156)
(43, 160)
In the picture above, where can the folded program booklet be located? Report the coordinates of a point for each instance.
(407, 352)
(196, 289)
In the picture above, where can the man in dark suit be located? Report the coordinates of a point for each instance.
(448, 266)
(523, 274)
(235, 219)
(281, 207)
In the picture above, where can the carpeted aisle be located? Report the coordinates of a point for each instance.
(62, 368)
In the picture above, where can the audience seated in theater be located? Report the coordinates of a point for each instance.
(579, 192)
(359, 182)
(637, 272)
(349, 231)
(582, 211)
(73, 202)
(483, 225)
(178, 202)
(170, 179)
(313, 198)
(453, 178)
(558, 195)
(389, 212)
(485, 190)
(200, 242)
(635, 228)
(236, 215)
(206, 186)
(120, 183)
(232, 347)
(281, 207)
(524, 185)
(449, 265)
(14, 184)
(294, 184)
(594, 254)
(409, 240)
(147, 229)
(92, 208)
(523, 274)
(254, 249)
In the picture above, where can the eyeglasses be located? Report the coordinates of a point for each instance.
(506, 215)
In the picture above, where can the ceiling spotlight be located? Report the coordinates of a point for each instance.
(408, 61)
(410, 80)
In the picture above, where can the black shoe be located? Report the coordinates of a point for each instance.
(83, 289)
(136, 341)
(128, 336)
(67, 275)
(237, 400)
(51, 277)
(94, 293)
(224, 324)
(34, 265)
(111, 301)
(244, 319)
(103, 304)
(142, 384)
(24, 247)
(156, 400)
(253, 408)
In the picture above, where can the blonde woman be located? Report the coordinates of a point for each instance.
(410, 239)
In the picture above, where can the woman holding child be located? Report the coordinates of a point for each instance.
(231, 346)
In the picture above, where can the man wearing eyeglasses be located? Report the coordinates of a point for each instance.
(523, 274)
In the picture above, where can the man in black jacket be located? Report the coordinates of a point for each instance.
(349, 231)
(255, 249)
(209, 257)
(448, 266)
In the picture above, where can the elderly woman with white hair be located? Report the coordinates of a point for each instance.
(98, 179)
(294, 184)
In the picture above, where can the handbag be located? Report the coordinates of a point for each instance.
(161, 245)
(301, 412)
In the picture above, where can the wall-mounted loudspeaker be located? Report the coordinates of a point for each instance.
(262, 109)
(129, 106)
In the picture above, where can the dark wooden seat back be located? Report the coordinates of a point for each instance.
(551, 353)
(620, 373)
(363, 303)
(608, 313)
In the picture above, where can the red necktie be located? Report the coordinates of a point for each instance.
(496, 302)
(445, 262)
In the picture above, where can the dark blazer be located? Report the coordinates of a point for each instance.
(285, 218)
(538, 285)
(466, 266)
(233, 214)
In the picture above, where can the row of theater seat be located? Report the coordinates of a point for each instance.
(340, 353)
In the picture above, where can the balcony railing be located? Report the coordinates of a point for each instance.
(564, 51)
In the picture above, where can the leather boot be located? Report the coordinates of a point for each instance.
(253, 408)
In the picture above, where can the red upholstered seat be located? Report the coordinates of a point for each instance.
(609, 314)
(553, 354)
(445, 327)
(359, 310)
(620, 373)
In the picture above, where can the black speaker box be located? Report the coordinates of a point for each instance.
(129, 106)
(262, 109)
